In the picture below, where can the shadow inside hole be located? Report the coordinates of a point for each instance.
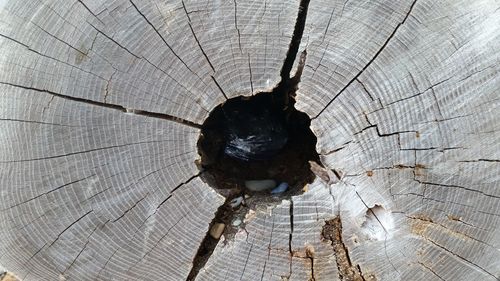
(256, 138)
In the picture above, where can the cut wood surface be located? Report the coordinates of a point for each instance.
(101, 104)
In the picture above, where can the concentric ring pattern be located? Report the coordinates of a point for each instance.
(101, 104)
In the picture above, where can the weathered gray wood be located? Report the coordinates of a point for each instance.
(405, 105)
(100, 106)
(264, 248)
(94, 193)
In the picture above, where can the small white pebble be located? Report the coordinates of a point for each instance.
(236, 202)
(217, 230)
(236, 222)
(249, 216)
(260, 185)
(280, 188)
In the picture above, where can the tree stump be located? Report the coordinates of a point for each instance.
(101, 105)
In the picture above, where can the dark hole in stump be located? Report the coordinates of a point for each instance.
(256, 138)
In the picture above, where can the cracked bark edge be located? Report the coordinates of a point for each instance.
(112, 106)
(332, 231)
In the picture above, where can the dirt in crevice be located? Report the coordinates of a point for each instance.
(223, 215)
(332, 232)
(291, 165)
(310, 256)
(6, 276)
(296, 39)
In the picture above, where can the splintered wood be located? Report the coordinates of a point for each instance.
(7, 277)
(101, 104)
(332, 231)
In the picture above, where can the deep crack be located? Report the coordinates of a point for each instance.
(112, 106)
(332, 231)
(291, 229)
(287, 86)
(209, 243)
(295, 43)
(370, 61)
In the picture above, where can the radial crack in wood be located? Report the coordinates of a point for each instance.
(100, 106)
(332, 231)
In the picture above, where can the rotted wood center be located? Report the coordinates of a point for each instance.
(257, 138)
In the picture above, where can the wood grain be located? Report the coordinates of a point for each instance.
(101, 103)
